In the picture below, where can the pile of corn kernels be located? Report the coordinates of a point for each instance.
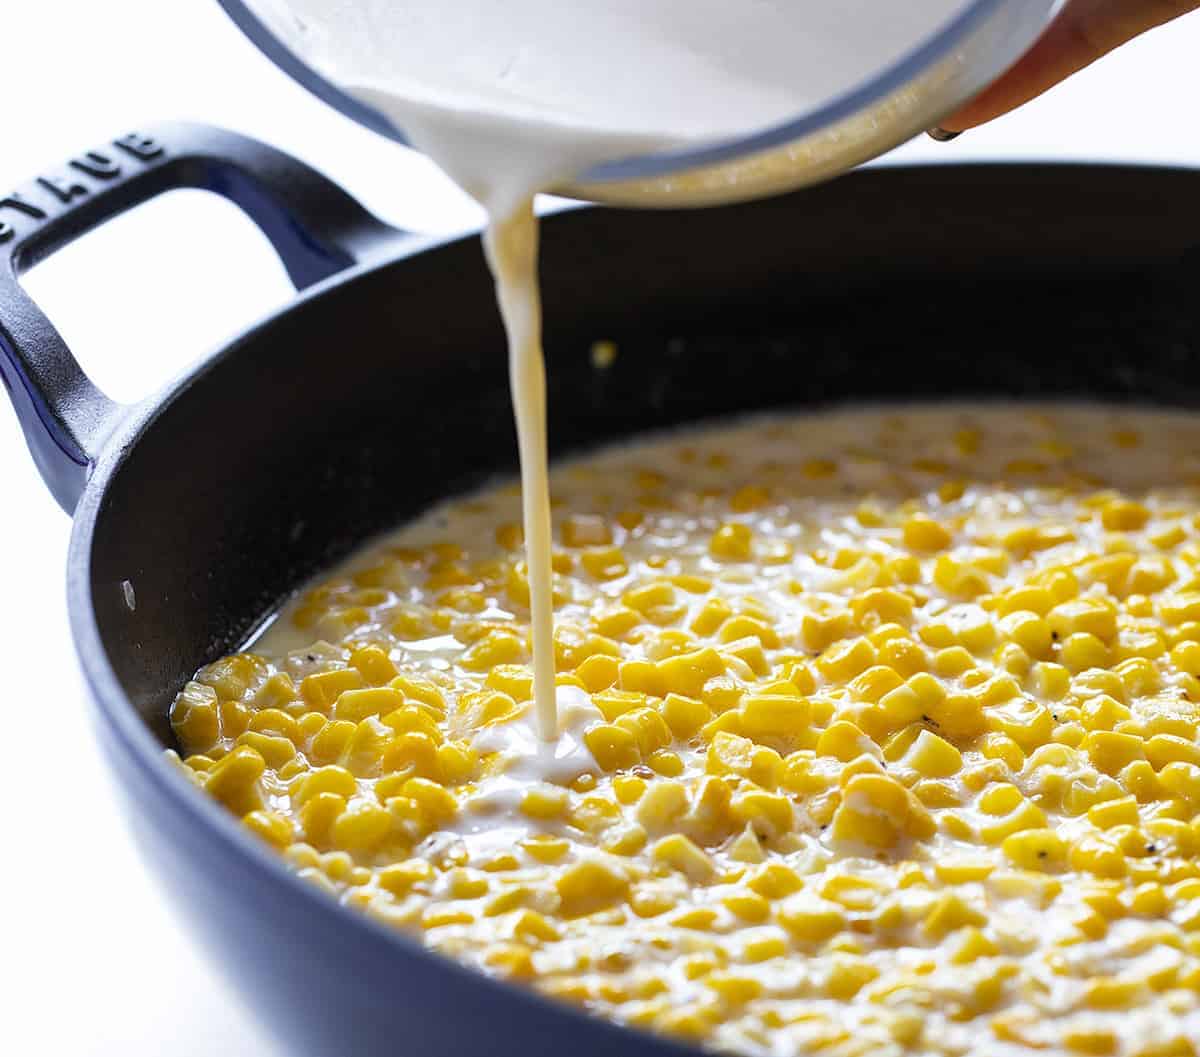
(880, 735)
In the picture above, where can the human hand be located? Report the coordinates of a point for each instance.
(1083, 32)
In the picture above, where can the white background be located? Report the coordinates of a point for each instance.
(96, 965)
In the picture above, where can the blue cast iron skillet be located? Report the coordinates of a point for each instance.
(381, 388)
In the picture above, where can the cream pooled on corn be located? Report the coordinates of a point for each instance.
(880, 735)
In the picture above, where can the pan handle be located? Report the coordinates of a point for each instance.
(316, 228)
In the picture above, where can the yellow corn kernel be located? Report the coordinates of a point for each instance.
(932, 756)
(686, 673)
(194, 717)
(685, 715)
(922, 533)
(628, 789)
(844, 741)
(318, 815)
(1024, 720)
(1082, 651)
(1123, 515)
(750, 653)
(1002, 748)
(665, 762)
(1082, 616)
(821, 631)
(641, 677)
(847, 976)
(1111, 752)
(545, 801)
(413, 752)
(952, 661)
(742, 627)
(361, 828)
(721, 694)
(1036, 849)
(276, 751)
(270, 826)
(545, 849)
(1182, 779)
(843, 661)
(960, 578)
(881, 605)
(648, 728)
(614, 703)
(662, 804)
(949, 913)
(591, 885)
(680, 853)
(1023, 816)
(774, 716)
(1097, 854)
(762, 946)
(330, 779)
(515, 680)
(330, 742)
(1108, 992)
(400, 878)
(1029, 631)
(322, 689)
(770, 814)
(877, 811)
(732, 542)
(613, 748)
(775, 880)
(1089, 1040)
(437, 802)
(486, 708)
(1120, 812)
(598, 672)
(747, 905)
(711, 616)
(357, 705)
(1103, 712)
(811, 919)
(1049, 681)
(903, 656)
(420, 690)
(963, 870)
(374, 664)
(1037, 600)
(732, 754)
(496, 647)
(276, 693)
(1163, 749)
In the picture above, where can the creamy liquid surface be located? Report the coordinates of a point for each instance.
(788, 522)
(515, 98)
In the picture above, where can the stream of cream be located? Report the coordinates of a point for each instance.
(515, 98)
(511, 243)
